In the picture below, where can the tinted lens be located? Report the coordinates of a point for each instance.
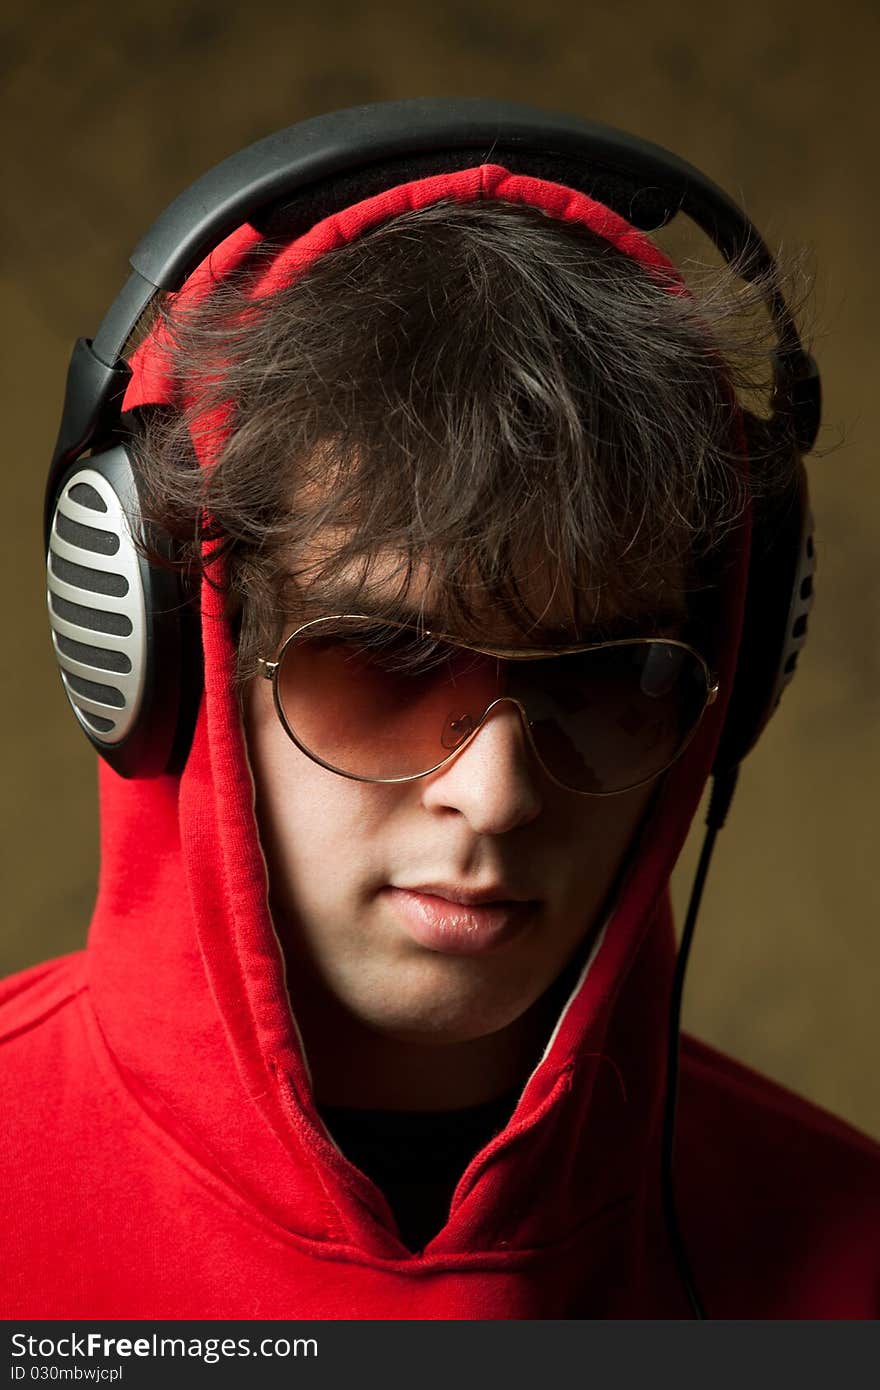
(602, 720)
(383, 711)
(611, 718)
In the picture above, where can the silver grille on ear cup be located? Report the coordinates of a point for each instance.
(801, 603)
(96, 607)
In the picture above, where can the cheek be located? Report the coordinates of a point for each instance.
(619, 817)
(312, 822)
(600, 838)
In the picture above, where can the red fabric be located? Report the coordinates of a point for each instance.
(161, 1156)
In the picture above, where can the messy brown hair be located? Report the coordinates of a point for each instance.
(475, 385)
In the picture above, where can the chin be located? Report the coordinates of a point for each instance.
(442, 1022)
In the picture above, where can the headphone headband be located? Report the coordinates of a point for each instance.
(651, 186)
(289, 160)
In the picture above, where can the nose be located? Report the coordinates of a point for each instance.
(494, 781)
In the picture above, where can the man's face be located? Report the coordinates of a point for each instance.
(341, 855)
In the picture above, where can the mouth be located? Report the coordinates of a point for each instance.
(471, 924)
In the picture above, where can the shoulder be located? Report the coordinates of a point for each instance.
(50, 1088)
(779, 1199)
(38, 1021)
(726, 1087)
(34, 995)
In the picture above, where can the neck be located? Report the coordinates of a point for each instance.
(355, 1065)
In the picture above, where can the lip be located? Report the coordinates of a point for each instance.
(495, 893)
(474, 927)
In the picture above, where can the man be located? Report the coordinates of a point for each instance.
(372, 1019)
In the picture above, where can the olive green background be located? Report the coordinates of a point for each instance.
(109, 111)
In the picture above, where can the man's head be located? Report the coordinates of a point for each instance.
(480, 387)
(484, 414)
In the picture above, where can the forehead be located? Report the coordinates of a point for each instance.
(548, 607)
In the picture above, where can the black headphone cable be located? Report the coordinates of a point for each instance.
(723, 787)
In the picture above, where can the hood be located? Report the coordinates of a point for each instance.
(188, 981)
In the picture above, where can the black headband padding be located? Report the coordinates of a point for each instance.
(284, 164)
(644, 208)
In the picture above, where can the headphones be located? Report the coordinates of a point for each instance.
(125, 632)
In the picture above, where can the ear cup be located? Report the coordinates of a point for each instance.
(123, 631)
(778, 603)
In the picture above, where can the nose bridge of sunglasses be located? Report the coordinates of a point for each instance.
(537, 727)
(461, 729)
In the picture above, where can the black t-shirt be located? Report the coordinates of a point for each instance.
(417, 1157)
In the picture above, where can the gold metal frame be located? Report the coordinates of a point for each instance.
(269, 669)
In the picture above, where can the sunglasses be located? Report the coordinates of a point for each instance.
(383, 701)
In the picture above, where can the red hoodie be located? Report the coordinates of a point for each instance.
(161, 1155)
